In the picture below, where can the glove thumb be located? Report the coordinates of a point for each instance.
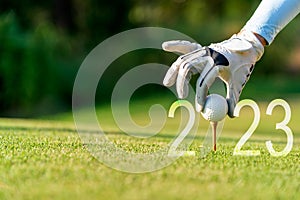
(232, 100)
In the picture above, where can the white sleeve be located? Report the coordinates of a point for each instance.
(272, 16)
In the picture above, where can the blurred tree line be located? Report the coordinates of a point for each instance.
(44, 42)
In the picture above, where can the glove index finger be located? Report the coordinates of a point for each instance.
(204, 82)
(180, 46)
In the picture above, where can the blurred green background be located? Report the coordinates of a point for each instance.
(42, 44)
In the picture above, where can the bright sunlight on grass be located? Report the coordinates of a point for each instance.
(43, 159)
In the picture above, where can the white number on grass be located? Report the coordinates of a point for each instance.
(237, 150)
(283, 126)
(186, 130)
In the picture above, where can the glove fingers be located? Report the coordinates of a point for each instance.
(172, 73)
(204, 82)
(182, 88)
(183, 78)
(191, 63)
(180, 46)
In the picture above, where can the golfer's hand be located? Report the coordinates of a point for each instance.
(231, 60)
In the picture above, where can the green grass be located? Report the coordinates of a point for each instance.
(45, 159)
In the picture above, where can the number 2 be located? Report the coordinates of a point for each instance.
(237, 150)
(186, 130)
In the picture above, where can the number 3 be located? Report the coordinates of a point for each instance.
(282, 125)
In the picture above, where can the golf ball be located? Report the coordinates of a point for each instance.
(215, 108)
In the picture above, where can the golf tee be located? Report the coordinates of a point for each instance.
(214, 136)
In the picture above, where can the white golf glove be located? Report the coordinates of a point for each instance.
(231, 60)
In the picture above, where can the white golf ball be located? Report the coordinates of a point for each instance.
(215, 108)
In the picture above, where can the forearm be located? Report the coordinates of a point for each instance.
(271, 17)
